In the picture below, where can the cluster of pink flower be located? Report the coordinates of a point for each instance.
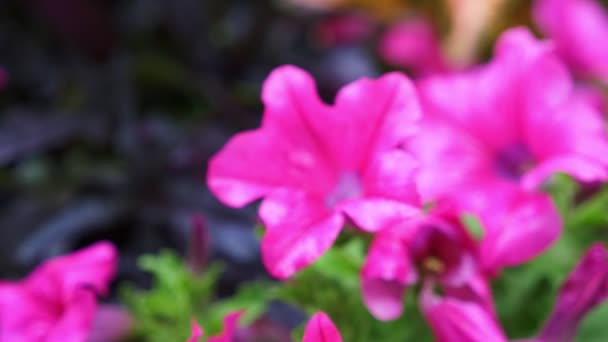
(481, 141)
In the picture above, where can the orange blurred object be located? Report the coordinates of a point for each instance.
(381, 9)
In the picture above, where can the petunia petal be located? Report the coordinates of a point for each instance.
(77, 319)
(579, 30)
(457, 320)
(373, 214)
(574, 130)
(387, 271)
(22, 318)
(391, 174)
(299, 230)
(286, 152)
(579, 167)
(585, 288)
(320, 328)
(372, 116)
(518, 229)
(449, 158)
(93, 267)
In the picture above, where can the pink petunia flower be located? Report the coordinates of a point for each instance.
(579, 29)
(57, 302)
(415, 46)
(316, 166)
(457, 320)
(493, 135)
(319, 328)
(436, 251)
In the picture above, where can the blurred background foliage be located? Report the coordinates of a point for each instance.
(111, 109)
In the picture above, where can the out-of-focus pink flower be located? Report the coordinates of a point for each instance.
(579, 29)
(317, 165)
(57, 303)
(343, 29)
(466, 321)
(320, 328)
(494, 134)
(435, 250)
(585, 288)
(415, 46)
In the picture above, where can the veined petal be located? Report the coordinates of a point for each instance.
(320, 328)
(519, 229)
(387, 271)
(299, 230)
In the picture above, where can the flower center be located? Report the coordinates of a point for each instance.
(514, 161)
(348, 186)
(432, 265)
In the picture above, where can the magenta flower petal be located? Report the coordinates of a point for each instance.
(579, 29)
(371, 117)
(197, 332)
(320, 328)
(581, 168)
(414, 45)
(93, 267)
(585, 288)
(391, 174)
(373, 214)
(457, 320)
(314, 163)
(518, 232)
(231, 322)
(284, 153)
(299, 231)
(76, 321)
(451, 159)
(387, 271)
